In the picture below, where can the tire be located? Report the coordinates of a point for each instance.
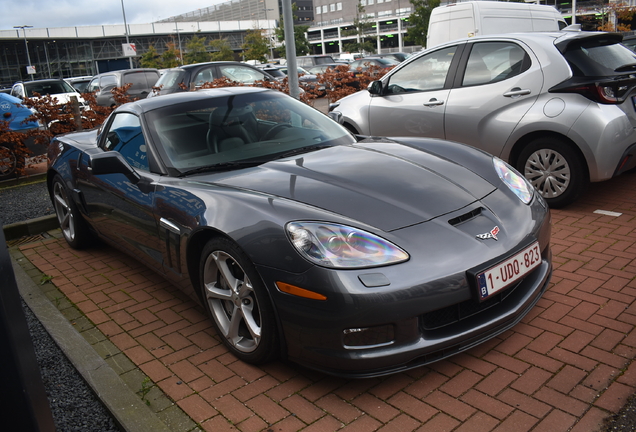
(74, 227)
(10, 164)
(237, 301)
(555, 169)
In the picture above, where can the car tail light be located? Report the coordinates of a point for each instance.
(612, 91)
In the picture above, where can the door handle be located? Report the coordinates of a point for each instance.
(516, 92)
(433, 102)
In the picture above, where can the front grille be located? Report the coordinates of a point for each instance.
(460, 311)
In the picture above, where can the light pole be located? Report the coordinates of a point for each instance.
(179, 39)
(123, 11)
(271, 48)
(26, 47)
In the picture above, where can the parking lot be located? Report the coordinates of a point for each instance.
(566, 366)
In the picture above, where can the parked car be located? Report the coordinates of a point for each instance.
(397, 56)
(55, 87)
(15, 116)
(557, 106)
(314, 60)
(322, 68)
(193, 76)
(354, 257)
(306, 80)
(141, 80)
(79, 83)
(378, 63)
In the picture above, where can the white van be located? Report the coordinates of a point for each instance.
(478, 18)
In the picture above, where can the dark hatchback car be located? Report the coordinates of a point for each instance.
(193, 76)
(141, 81)
(358, 257)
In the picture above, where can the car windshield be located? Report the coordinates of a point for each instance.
(596, 58)
(170, 79)
(244, 128)
(48, 87)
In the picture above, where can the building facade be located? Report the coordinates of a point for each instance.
(334, 22)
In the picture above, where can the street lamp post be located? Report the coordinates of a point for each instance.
(123, 11)
(271, 30)
(179, 39)
(26, 47)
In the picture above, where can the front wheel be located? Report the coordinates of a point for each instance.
(236, 299)
(74, 227)
(10, 163)
(555, 170)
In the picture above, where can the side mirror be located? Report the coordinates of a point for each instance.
(336, 116)
(375, 88)
(113, 162)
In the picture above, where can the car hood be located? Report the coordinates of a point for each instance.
(385, 185)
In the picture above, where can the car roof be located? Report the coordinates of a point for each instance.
(149, 104)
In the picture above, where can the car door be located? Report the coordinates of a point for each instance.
(120, 210)
(414, 97)
(497, 84)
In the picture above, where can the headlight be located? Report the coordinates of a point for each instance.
(340, 246)
(515, 181)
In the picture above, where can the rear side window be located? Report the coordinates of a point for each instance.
(595, 58)
(138, 81)
(491, 62)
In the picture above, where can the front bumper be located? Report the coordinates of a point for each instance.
(389, 319)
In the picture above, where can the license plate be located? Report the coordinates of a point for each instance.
(508, 272)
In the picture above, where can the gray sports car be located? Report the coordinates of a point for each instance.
(354, 256)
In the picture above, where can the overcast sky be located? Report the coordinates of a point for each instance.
(72, 13)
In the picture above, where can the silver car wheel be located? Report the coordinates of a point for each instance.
(8, 162)
(232, 301)
(63, 211)
(549, 172)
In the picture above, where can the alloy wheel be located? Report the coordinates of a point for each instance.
(232, 301)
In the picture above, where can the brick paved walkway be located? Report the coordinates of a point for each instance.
(567, 366)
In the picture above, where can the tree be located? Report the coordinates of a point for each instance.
(221, 50)
(170, 57)
(151, 59)
(255, 46)
(195, 51)
(617, 17)
(360, 27)
(418, 21)
(300, 38)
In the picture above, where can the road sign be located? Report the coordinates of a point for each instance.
(130, 50)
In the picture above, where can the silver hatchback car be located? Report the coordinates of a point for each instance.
(560, 107)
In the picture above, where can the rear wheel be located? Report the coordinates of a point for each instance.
(236, 299)
(555, 170)
(74, 227)
(10, 163)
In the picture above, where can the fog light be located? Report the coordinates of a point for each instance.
(368, 337)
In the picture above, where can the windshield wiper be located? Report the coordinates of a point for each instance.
(221, 167)
(301, 150)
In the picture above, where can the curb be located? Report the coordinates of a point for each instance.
(30, 227)
(127, 408)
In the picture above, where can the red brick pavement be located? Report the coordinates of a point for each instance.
(566, 366)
